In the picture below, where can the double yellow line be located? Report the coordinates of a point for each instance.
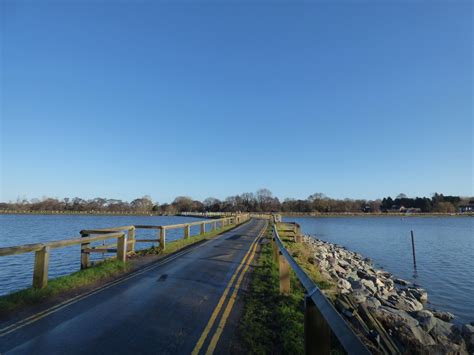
(242, 269)
(40, 315)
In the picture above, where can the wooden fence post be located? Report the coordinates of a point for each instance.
(203, 228)
(214, 225)
(131, 238)
(317, 334)
(40, 273)
(275, 250)
(122, 248)
(187, 231)
(85, 256)
(162, 238)
(284, 275)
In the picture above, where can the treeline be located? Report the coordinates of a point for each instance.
(261, 201)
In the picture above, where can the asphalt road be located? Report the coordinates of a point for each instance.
(187, 303)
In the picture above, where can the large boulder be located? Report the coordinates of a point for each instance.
(426, 319)
(405, 303)
(405, 328)
(468, 334)
(448, 336)
(445, 316)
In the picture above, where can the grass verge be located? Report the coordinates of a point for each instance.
(271, 323)
(30, 296)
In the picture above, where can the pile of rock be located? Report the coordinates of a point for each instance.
(395, 304)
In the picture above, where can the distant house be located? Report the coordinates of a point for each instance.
(396, 209)
(412, 210)
(466, 208)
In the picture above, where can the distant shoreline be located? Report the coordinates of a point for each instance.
(354, 214)
(284, 214)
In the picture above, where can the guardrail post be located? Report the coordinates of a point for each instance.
(40, 273)
(284, 275)
(275, 250)
(85, 256)
(214, 225)
(317, 334)
(222, 223)
(203, 228)
(187, 231)
(162, 238)
(131, 238)
(122, 248)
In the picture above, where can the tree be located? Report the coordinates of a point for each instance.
(144, 204)
(183, 204)
(264, 199)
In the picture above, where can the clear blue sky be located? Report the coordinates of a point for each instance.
(119, 99)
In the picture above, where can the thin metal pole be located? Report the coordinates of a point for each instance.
(413, 248)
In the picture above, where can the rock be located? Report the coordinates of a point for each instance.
(445, 316)
(426, 319)
(383, 274)
(356, 284)
(405, 303)
(372, 303)
(389, 284)
(343, 284)
(401, 282)
(468, 334)
(448, 335)
(343, 263)
(418, 293)
(340, 270)
(407, 328)
(369, 285)
(396, 315)
(359, 296)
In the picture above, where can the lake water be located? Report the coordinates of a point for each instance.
(16, 271)
(444, 252)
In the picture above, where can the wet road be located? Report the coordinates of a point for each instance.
(187, 303)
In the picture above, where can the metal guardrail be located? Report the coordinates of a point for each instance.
(321, 318)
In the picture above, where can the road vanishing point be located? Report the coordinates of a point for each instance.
(189, 302)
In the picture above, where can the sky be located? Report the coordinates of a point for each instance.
(120, 99)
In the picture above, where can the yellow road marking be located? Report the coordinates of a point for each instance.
(216, 311)
(40, 315)
(230, 304)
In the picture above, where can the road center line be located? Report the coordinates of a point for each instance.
(216, 311)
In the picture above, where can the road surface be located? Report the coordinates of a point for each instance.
(188, 303)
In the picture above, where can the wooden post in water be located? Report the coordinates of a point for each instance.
(413, 248)
(85, 256)
(317, 334)
(187, 231)
(40, 273)
(162, 238)
(284, 275)
(203, 228)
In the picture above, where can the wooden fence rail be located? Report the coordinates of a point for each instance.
(125, 243)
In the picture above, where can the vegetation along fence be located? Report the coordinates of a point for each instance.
(125, 243)
(321, 320)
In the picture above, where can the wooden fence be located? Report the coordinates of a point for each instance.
(125, 243)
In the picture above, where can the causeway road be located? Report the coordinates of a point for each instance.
(188, 303)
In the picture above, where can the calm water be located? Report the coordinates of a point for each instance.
(16, 270)
(444, 252)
